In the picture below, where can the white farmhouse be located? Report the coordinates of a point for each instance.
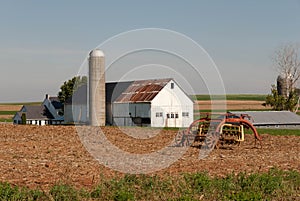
(48, 113)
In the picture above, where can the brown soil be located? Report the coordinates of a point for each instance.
(6, 116)
(36, 156)
(10, 107)
(231, 105)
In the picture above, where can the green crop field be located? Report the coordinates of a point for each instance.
(7, 112)
(285, 132)
(5, 120)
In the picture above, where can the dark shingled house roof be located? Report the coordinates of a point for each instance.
(36, 112)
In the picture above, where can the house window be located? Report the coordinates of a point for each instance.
(159, 114)
(176, 115)
(185, 114)
(172, 115)
(172, 85)
(168, 116)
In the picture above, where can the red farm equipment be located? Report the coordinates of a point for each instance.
(225, 129)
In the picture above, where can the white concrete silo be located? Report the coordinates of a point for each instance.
(96, 88)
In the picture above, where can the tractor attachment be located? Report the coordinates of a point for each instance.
(225, 129)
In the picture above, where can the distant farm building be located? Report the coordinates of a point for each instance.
(75, 107)
(155, 103)
(273, 119)
(48, 113)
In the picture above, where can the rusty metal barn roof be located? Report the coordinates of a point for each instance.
(142, 91)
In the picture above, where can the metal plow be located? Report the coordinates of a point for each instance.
(223, 130)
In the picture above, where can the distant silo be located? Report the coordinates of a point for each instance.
(96, 88)
(284, 85)
(281, 86)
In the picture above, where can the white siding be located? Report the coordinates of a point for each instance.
(36, 122)
(173, 101)
(17, 119)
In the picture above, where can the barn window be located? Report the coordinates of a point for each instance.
(172, 85)
(159, 114)
(168, 116)
(172, 115)
(185, 114)
(176, 115)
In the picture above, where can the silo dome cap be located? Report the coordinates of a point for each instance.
(96, 53)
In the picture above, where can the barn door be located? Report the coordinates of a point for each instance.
(173, 119)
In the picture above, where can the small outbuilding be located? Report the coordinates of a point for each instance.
(273, 119)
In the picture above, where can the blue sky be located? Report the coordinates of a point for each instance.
(43, 43)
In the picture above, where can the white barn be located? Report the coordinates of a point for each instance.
(155, 103)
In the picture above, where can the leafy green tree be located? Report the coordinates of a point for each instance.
(23, 117)
(279, 102)
(70, 86)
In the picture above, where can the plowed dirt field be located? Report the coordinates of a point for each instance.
(39, 157)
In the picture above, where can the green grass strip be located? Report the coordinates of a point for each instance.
(273, 185)
(8, 112)
(5, 120)
(279, 132)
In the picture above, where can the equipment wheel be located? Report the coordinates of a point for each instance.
(212, 139)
